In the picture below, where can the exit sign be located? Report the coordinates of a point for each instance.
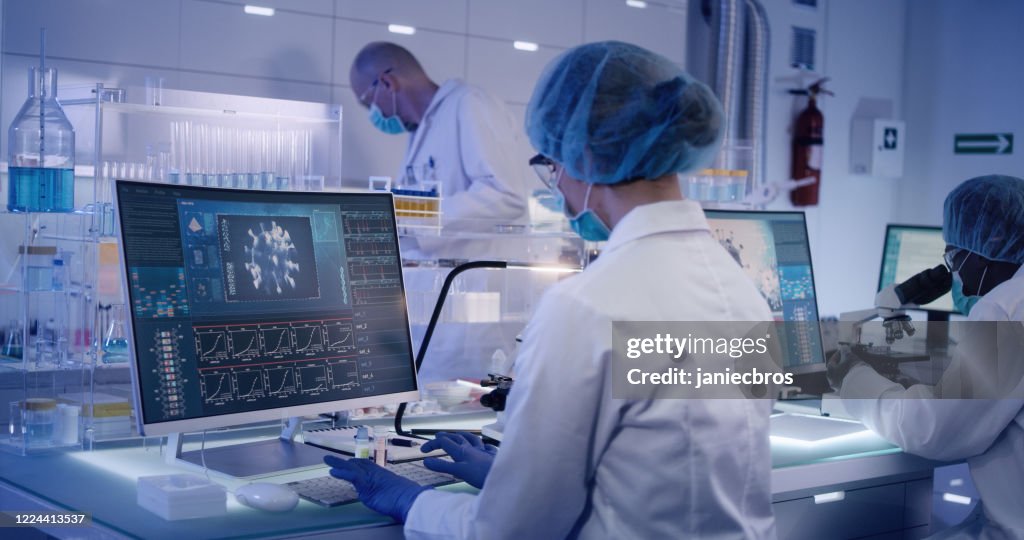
(983, 143)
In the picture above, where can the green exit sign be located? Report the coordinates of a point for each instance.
(983, 143)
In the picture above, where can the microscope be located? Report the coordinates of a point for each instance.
(891, 304)
(495, 400)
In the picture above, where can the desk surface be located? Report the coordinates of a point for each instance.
(102, 482)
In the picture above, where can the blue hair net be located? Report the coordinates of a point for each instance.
(611, 112)
(986, 215)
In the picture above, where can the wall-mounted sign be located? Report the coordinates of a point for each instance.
(983, 143)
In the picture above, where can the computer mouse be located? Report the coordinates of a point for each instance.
(267, 496)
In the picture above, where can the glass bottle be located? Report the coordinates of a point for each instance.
(115, 341)
(41, 150)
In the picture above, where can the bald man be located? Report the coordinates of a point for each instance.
(459, 136)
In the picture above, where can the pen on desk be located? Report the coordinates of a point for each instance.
(403, 442)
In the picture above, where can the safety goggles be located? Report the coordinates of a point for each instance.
(373, 85)
(546, 170)
(954, 258)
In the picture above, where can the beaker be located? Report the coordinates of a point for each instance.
(115, 340)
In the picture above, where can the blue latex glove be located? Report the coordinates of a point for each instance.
(472, 457)
(378, 488)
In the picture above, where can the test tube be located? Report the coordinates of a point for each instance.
(380, 445)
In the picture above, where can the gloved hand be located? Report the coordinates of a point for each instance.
(472, 458)
(378, 488)
(838, 365)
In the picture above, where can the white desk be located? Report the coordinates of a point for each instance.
(884, 492)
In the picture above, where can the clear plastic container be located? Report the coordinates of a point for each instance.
(38, 417)
(39, 270)
(41, 151)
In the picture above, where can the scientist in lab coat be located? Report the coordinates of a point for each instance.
(466, 140)
(614, 124)
(984, 231)
(459, 136)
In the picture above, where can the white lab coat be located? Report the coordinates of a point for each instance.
(478, 153)
(988, 433)
(575, 462)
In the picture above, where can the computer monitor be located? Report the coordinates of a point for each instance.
(248, 306)
(910, 249)
(772, 248)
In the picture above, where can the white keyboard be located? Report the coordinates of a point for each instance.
(331, 491)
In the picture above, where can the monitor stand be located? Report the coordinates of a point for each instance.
(252, 459)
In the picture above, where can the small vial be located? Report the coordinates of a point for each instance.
(380, 446)
(68, 417)
(58, 274)
(362, 443)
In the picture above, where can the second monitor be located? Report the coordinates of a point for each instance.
(910, 249)
(773, 250)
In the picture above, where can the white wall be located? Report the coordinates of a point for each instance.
(304, 51)
(963, 76)
(860, 47)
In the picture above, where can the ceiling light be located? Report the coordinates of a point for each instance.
(401, 29)
(259, 10)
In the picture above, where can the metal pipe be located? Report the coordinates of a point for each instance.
(728, 64)
(756, 89)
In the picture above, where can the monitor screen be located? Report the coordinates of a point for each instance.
(772, 248)
(256, 305)
(910, 249)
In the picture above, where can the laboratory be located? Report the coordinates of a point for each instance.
(478, 269)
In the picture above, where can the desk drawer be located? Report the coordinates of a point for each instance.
(859, 512)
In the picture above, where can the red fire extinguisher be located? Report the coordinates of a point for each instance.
(808, 145)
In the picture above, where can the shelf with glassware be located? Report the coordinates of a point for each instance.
(190, 138)
(47, 335)
(212, 140)
(46, 248)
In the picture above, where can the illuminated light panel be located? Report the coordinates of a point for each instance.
(956, 499)
(834, 496)
(401, 29)
(259, 10)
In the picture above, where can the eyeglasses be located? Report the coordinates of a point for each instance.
(362, 97)
(546, 170)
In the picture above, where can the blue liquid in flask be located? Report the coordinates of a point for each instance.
(39, 189)
(115, 350)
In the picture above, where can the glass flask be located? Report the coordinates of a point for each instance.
(14, 342)
(115, 341)
(41, 150)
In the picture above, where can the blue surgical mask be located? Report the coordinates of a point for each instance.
(962, 303)
(587, 223)
(392, 125)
